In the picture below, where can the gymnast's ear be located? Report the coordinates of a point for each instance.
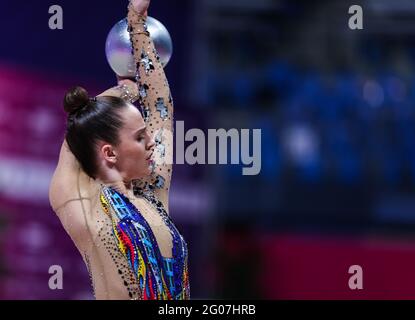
(108, 153)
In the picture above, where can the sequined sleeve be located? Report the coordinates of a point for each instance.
(155, 99)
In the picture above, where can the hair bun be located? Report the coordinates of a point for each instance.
(75, 99)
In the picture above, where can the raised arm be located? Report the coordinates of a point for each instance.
(154, 98)
(152, 91)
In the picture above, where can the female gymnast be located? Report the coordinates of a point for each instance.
(110, 189)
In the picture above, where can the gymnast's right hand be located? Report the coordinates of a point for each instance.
(140, 6)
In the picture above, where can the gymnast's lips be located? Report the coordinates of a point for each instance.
(150, 156)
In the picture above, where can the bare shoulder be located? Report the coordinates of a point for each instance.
(69, 181)
(72, 203)
(67, 187)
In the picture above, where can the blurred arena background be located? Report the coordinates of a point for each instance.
(336, 109)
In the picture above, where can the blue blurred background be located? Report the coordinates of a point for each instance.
(338, 156)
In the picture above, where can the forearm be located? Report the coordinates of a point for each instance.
(156, 102)
(154, 92)
(126, 89)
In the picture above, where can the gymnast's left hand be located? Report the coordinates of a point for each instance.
(141, 6)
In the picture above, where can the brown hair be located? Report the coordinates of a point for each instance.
(90, 120)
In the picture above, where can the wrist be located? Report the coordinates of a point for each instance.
(127, 91)
(137, 24)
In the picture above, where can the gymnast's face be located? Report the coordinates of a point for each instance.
(134, 151)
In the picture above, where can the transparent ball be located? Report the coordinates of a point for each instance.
(118, 48)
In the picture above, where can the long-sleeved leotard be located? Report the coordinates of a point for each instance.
(130, 245)
(151, 91)
(155, 99)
